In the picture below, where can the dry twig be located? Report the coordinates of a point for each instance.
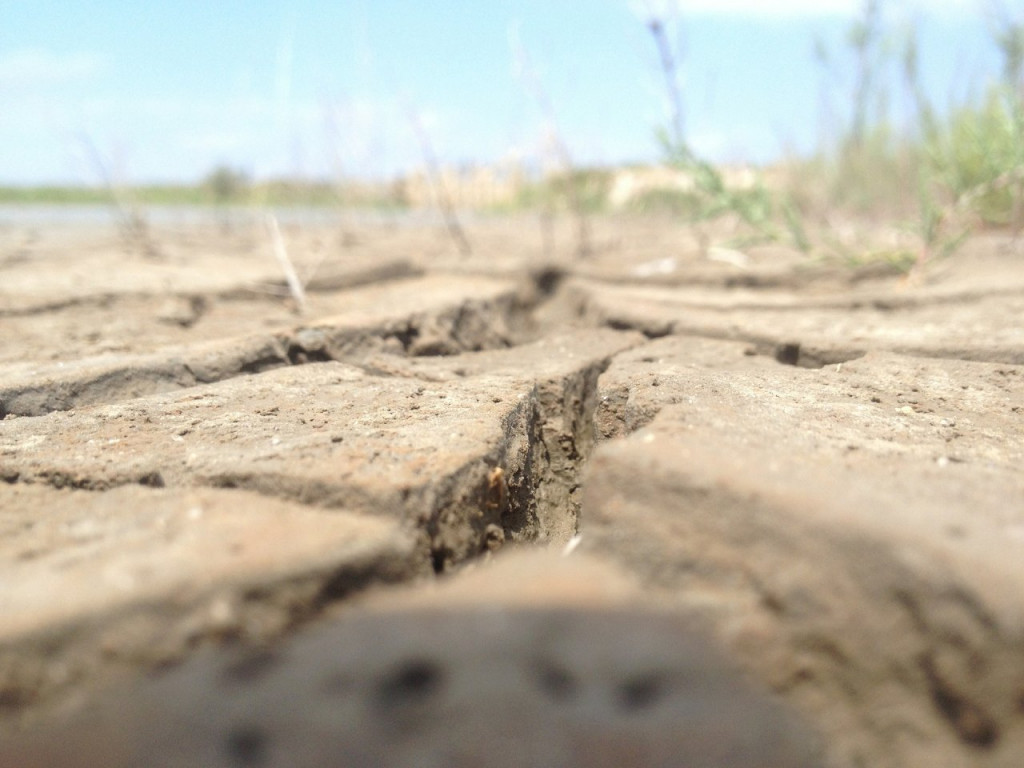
(658, 26)
(442, 196)
(132, 224)
(295, 286)
(540, 96)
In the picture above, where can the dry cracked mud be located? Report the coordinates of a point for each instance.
(646, 509)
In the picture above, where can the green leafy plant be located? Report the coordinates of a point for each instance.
(709, 197)
(979, 157)
(943, 174)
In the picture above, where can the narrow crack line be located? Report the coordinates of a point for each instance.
(101, 300)
(973, 725)
(115, 382)
(788, 352)
(886, 303)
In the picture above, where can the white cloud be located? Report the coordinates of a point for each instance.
(796, 8)
(742, 7)
(35, 67)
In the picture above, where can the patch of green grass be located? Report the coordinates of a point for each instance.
(680, 203)
(278, 193)
(710, 197)
(938, 174)
(53, 195)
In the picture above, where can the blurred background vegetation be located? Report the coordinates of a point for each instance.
(941, 173)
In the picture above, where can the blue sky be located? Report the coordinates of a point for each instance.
(169, 89)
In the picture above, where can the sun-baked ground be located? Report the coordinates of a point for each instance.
(817, 464)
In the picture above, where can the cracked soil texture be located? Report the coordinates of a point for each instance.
(514, 509)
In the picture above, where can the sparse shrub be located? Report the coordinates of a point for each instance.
(226, 185)
(874, 176)
(710, 197)
(587, 188)
(942, 174)
(592, 187)
(979, 157)
(675, 202)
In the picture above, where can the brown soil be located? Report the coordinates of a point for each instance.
(800, 479)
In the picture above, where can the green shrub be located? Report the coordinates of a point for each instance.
(978, 156)
(590, 185)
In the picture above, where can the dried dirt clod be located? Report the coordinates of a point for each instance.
(829, 587)
(183, 311)
(431, 316)
(93, 583)
(495, 688)
(276, 434)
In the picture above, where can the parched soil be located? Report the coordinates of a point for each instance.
(651, 506)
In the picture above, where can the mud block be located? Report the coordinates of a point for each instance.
(517, 578)
(820, 329)
(335, 435)
(495, 687)
(858, 530)
(429, 315)
(924, 412)
(91, 582)
(66, 555)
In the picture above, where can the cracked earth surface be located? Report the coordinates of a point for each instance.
(515, 509)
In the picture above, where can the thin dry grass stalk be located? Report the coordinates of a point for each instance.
(657, 25)
(442, 196)
(536, 90)
(332, 121)
(295, 287)
(131, 222)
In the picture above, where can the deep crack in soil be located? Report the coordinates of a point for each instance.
(520, 486)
